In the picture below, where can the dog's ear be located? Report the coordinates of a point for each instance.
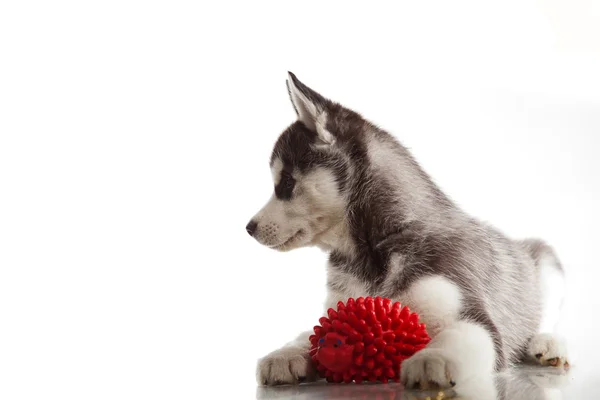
(311, 108)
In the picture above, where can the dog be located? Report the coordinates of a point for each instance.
(343, 184)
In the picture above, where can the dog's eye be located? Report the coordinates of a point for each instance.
(287, 179)
(284, 188)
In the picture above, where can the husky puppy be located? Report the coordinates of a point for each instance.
(350, 188)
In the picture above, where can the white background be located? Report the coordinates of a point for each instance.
(134, 145)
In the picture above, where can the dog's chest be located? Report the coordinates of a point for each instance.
(346, 285)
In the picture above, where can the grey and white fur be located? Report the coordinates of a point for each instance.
(350, 188)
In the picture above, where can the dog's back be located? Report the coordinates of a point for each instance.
(395, 204)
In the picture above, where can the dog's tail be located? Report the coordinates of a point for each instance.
(552, 282)
(542, 254)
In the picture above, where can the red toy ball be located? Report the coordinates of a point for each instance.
(366, 339)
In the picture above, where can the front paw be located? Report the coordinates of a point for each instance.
(288, 365)
(428, 369)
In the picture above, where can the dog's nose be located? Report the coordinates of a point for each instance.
(251, 227)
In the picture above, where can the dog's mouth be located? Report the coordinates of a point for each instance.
(285, 245)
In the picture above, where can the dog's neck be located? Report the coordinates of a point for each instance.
(336, 238)
(411, 199)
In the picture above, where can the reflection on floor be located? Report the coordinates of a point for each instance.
(523, 383)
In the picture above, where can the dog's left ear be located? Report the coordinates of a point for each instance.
(311, 108)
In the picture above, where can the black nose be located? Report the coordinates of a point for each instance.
(251, 228)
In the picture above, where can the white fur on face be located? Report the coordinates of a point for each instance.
(276, 171)
(315, 207)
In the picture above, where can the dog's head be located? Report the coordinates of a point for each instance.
(309, 172)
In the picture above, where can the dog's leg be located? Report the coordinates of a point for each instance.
(292, 363)
(547, 348)
(289, 364)
(459, 350)
(459, 353)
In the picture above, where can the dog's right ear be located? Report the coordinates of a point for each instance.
(311, 108)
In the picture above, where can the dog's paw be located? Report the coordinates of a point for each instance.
(429, 369)
(288, 365)
(547, 350)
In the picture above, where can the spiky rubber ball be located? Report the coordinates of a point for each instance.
(366, 340)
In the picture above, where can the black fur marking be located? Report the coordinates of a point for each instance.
(372, 268)
(296, 149)
(293, 148)
(286, 184)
